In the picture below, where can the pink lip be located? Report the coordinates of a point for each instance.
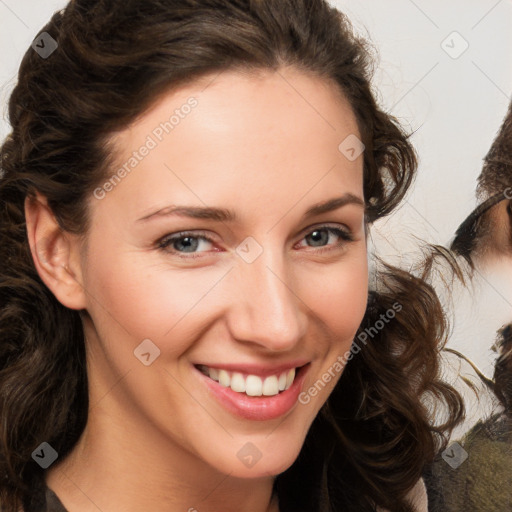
(262, 408)
(259, 370)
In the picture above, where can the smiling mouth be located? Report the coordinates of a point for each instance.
(252, 385)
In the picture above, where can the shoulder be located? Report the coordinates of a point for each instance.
(482, 480)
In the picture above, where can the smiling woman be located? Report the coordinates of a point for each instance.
(165, 324)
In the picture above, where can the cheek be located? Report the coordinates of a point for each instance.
(339, 295)
(132, 300)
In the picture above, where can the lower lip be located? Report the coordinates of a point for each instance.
(258, 408)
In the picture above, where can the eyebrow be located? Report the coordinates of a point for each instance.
(225, 215)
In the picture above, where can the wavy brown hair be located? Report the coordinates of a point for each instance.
(369, 443)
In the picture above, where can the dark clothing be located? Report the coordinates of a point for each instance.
(53, 503)
(483, 482)
(44, 500)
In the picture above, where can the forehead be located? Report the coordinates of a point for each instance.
(262, 135)
(270, 97)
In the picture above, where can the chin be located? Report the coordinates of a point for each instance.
(255, 459)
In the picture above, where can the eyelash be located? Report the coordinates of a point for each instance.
(165, 242)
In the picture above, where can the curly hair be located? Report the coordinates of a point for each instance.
(115, 58)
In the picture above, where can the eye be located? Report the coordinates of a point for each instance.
(321, 236)
(185, 243)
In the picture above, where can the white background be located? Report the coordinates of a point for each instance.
(453, 105)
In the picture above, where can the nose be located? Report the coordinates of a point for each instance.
(267, 309)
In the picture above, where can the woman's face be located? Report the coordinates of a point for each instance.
(234, 239)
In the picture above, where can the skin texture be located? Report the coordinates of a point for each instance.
(265, 146)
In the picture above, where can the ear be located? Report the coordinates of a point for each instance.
(56, 253)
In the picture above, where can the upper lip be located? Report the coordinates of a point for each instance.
(257, 369)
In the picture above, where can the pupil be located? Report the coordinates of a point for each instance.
(319, 236)
(188, 244)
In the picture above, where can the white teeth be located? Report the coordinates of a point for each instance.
(224, 378)
(252, 385)
(290, 377)
(238, 382)
(270, 386)
(282, 381)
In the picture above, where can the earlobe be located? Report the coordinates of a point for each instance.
(55, 253)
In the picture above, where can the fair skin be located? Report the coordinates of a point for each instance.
(156, 439)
